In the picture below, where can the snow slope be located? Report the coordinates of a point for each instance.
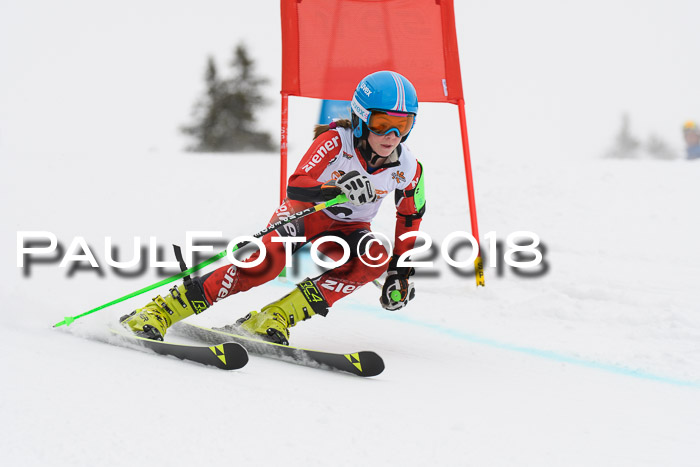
(596, 362)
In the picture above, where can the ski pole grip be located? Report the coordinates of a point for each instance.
(341, 198)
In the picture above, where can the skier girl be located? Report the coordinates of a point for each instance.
(364, 158)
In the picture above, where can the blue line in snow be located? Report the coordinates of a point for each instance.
(548, 354)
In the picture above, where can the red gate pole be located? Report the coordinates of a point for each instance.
(478, 262)
(283, 146)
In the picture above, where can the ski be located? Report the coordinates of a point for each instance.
(358, 363)
(225, 355)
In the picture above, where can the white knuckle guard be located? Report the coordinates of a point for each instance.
(392, 284)
(357, 188)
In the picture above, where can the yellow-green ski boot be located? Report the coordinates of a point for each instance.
(153, 320)
(272, 323)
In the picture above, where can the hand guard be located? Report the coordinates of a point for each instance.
(397, 291)
(356, 187)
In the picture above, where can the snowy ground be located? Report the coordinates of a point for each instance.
(595, 362)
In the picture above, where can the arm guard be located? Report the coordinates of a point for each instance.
(410, 207)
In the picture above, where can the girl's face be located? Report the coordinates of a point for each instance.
(383, 145)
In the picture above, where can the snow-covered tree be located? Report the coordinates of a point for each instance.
(659, 149)
(626, 146)
(224, 118)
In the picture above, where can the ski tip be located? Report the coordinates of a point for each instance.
(366, 363)
(236, 356)
(378, 366)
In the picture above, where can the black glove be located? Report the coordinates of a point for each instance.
(397, 291)
(356, 187)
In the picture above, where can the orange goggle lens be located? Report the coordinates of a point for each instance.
(381, 123)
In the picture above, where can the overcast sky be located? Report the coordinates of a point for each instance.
(77, 75)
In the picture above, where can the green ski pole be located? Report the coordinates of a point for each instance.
(68, 320)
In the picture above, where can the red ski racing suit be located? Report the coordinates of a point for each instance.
(332, 155)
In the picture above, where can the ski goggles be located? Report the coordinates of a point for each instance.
(382, 123)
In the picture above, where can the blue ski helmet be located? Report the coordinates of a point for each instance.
(387, 91)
